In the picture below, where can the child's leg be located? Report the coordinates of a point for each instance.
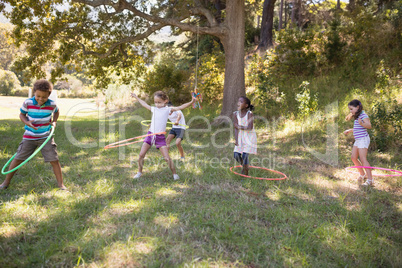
(9, 176)
(165, 152)
(57, 172)
(363, 159)
(355, 159)
(169, 139)
(179, 147)
(245, 163)
(238, 158)
(144, 149)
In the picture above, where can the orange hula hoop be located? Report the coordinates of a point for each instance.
(118, 143)
(258, 178)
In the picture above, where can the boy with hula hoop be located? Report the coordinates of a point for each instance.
(36, 114)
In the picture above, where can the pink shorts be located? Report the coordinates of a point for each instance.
(159, 140)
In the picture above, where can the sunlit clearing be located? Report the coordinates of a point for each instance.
(164, 192)
(7, 230)
(273, 196)
(166, 221)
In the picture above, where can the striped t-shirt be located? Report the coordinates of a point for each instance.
(358, 130)
(42, 116)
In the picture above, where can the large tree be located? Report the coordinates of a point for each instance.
(104, 34)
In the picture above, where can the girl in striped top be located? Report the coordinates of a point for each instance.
(362, 139)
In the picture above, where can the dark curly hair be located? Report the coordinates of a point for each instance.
(43, 85)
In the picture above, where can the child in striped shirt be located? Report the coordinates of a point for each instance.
(36, 113)
(362, 139)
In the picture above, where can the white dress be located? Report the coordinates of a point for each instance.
(247, 139)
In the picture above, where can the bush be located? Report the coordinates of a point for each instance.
(386, 121)
(8, 82)
(166, 77)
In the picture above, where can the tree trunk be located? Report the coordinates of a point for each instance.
(267, 25)
(280, 16)
(233, 43)
(338, 4)
(351, 5)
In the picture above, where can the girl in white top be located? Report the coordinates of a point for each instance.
(178, 129)
(245, 135)
(160, 114)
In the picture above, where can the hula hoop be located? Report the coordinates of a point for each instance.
(378, 175)
(117, 144)
(29, 158)
(258, 178)
(144, 123)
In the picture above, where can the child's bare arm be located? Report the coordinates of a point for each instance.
(236, 130)
(55, 117)
(178, 119)
(348, 131)
(184, 106)
(365, 123)
(24, 119)
(143, 103)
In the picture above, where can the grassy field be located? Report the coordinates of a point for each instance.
(318, 217)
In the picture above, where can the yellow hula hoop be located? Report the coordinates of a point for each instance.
(147, 123)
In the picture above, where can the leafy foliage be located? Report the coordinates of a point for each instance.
(165, 76)
(307, 100)
(386, 120)
(8, 82)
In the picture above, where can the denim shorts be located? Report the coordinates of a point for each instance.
(177, 132)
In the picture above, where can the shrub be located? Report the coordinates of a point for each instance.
(166, 77)
(386, 121)
(308, 102)
(8, 82)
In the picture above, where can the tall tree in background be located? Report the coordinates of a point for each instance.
(104, 34)
(280, 15)
(267, 26)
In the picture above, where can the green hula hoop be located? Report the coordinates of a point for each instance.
(148, 122)
(29, 158)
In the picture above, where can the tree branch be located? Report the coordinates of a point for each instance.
(214, 29)
(127, 39)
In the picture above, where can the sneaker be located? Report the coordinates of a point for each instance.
(369, 183)
(138, 175)
(361, 178)
(176, 177)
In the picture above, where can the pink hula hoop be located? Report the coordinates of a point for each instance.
(117, 144)
(378, 175)
(258, 178)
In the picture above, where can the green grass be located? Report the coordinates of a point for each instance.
(319, 217)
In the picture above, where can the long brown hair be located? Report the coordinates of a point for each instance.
(355, 103)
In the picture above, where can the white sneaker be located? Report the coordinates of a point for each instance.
(176, 177)
(361, 178)
(138, 175)
(369, 183)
